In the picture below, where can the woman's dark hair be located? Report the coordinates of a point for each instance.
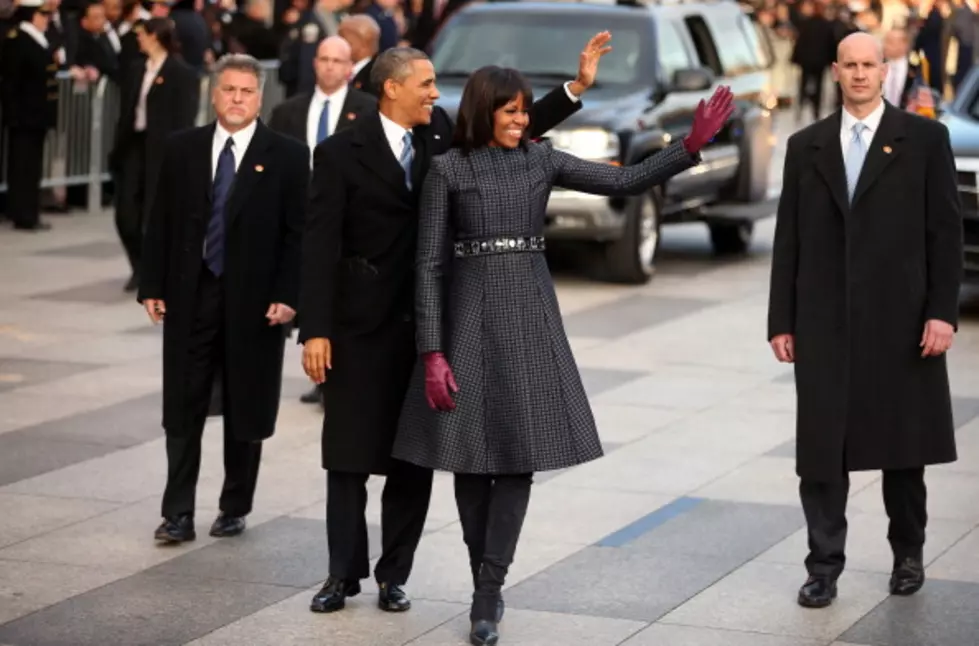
(165, 33)
(488, 89)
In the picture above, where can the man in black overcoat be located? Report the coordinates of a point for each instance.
(864, 301)
(221, 264)
(29, 109)
(331, 107)
(357, 306)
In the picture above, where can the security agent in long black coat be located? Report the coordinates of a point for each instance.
(136, 157)
(358, 291)
(855, 284)
(262, 245)
(29, 101)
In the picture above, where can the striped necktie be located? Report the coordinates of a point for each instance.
(407, 154)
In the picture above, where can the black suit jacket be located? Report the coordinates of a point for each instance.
(96, 51)
(854, 282)
(29, 87)
(362, 79)
(171, 105)
(290, 116)
(359, 242)
(263, 224)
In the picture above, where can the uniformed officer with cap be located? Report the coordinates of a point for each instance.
(29, 97)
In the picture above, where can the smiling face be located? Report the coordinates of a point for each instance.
(510, 122)
(414, 97)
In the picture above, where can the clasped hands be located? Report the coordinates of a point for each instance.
(935, 341)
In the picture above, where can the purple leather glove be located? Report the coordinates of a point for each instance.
(709, 119)
(438, 381)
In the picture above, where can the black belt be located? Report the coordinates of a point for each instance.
(468, 248)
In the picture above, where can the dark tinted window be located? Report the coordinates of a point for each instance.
(546, 45)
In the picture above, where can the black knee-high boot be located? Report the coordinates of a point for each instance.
(492, 511)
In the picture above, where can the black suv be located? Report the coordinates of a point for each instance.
(665, 59)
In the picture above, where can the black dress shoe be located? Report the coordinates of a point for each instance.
(333, 595)
(484, 632)
(311, 397)
(817, 592)
(392, 598)
(225, 526)
(176, 529)
(908, 577)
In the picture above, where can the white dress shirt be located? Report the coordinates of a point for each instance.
(316, 108)
(241, 138)
(897, 75)
(149, 75)
(359, 65)
(872, 121)
(395, 136)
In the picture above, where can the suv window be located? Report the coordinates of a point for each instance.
(671, 51)
(543, 46)
(737, 55)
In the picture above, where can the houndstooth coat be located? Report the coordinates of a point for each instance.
(521, 406)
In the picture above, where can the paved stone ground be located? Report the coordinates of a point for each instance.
(688, 533)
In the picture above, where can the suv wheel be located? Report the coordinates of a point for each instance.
(632, 258)
(731, 238)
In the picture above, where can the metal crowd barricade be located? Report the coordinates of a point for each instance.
(76, 152)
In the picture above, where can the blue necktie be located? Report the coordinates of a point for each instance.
(323, 131)
(855, 155)
(223, 179)
(406, 155)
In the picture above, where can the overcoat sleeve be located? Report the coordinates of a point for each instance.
(604, 179)
(322, 238)
(433, 229)
(156, 240)
(550, 110)
(293, 210)
(785, 252)
(943, 230)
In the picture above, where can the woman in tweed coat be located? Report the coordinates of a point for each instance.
(493, 315)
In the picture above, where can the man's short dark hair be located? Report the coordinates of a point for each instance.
(394, 64)
(488, 89)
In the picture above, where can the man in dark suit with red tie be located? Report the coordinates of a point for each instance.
(221, 270)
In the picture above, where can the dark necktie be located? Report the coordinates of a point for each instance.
(223, 179)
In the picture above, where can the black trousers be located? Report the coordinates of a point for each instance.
(130, 200)
(824, 504)
(810, 91)
(404, 507)
(492, 511)
(241, 459)
(24, 171)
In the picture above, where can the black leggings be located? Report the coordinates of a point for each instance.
(492, 511)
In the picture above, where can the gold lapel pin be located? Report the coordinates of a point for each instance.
(259, 168)
(159, 80)
(351, 116)
(887, 150)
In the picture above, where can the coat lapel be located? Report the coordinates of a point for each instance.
(202, 169)
(829, 161)
(249, 172)
(348, 114)
(884, 148)
(378, 157)
(419, 165)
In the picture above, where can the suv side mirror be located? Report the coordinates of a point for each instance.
(694, 79)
